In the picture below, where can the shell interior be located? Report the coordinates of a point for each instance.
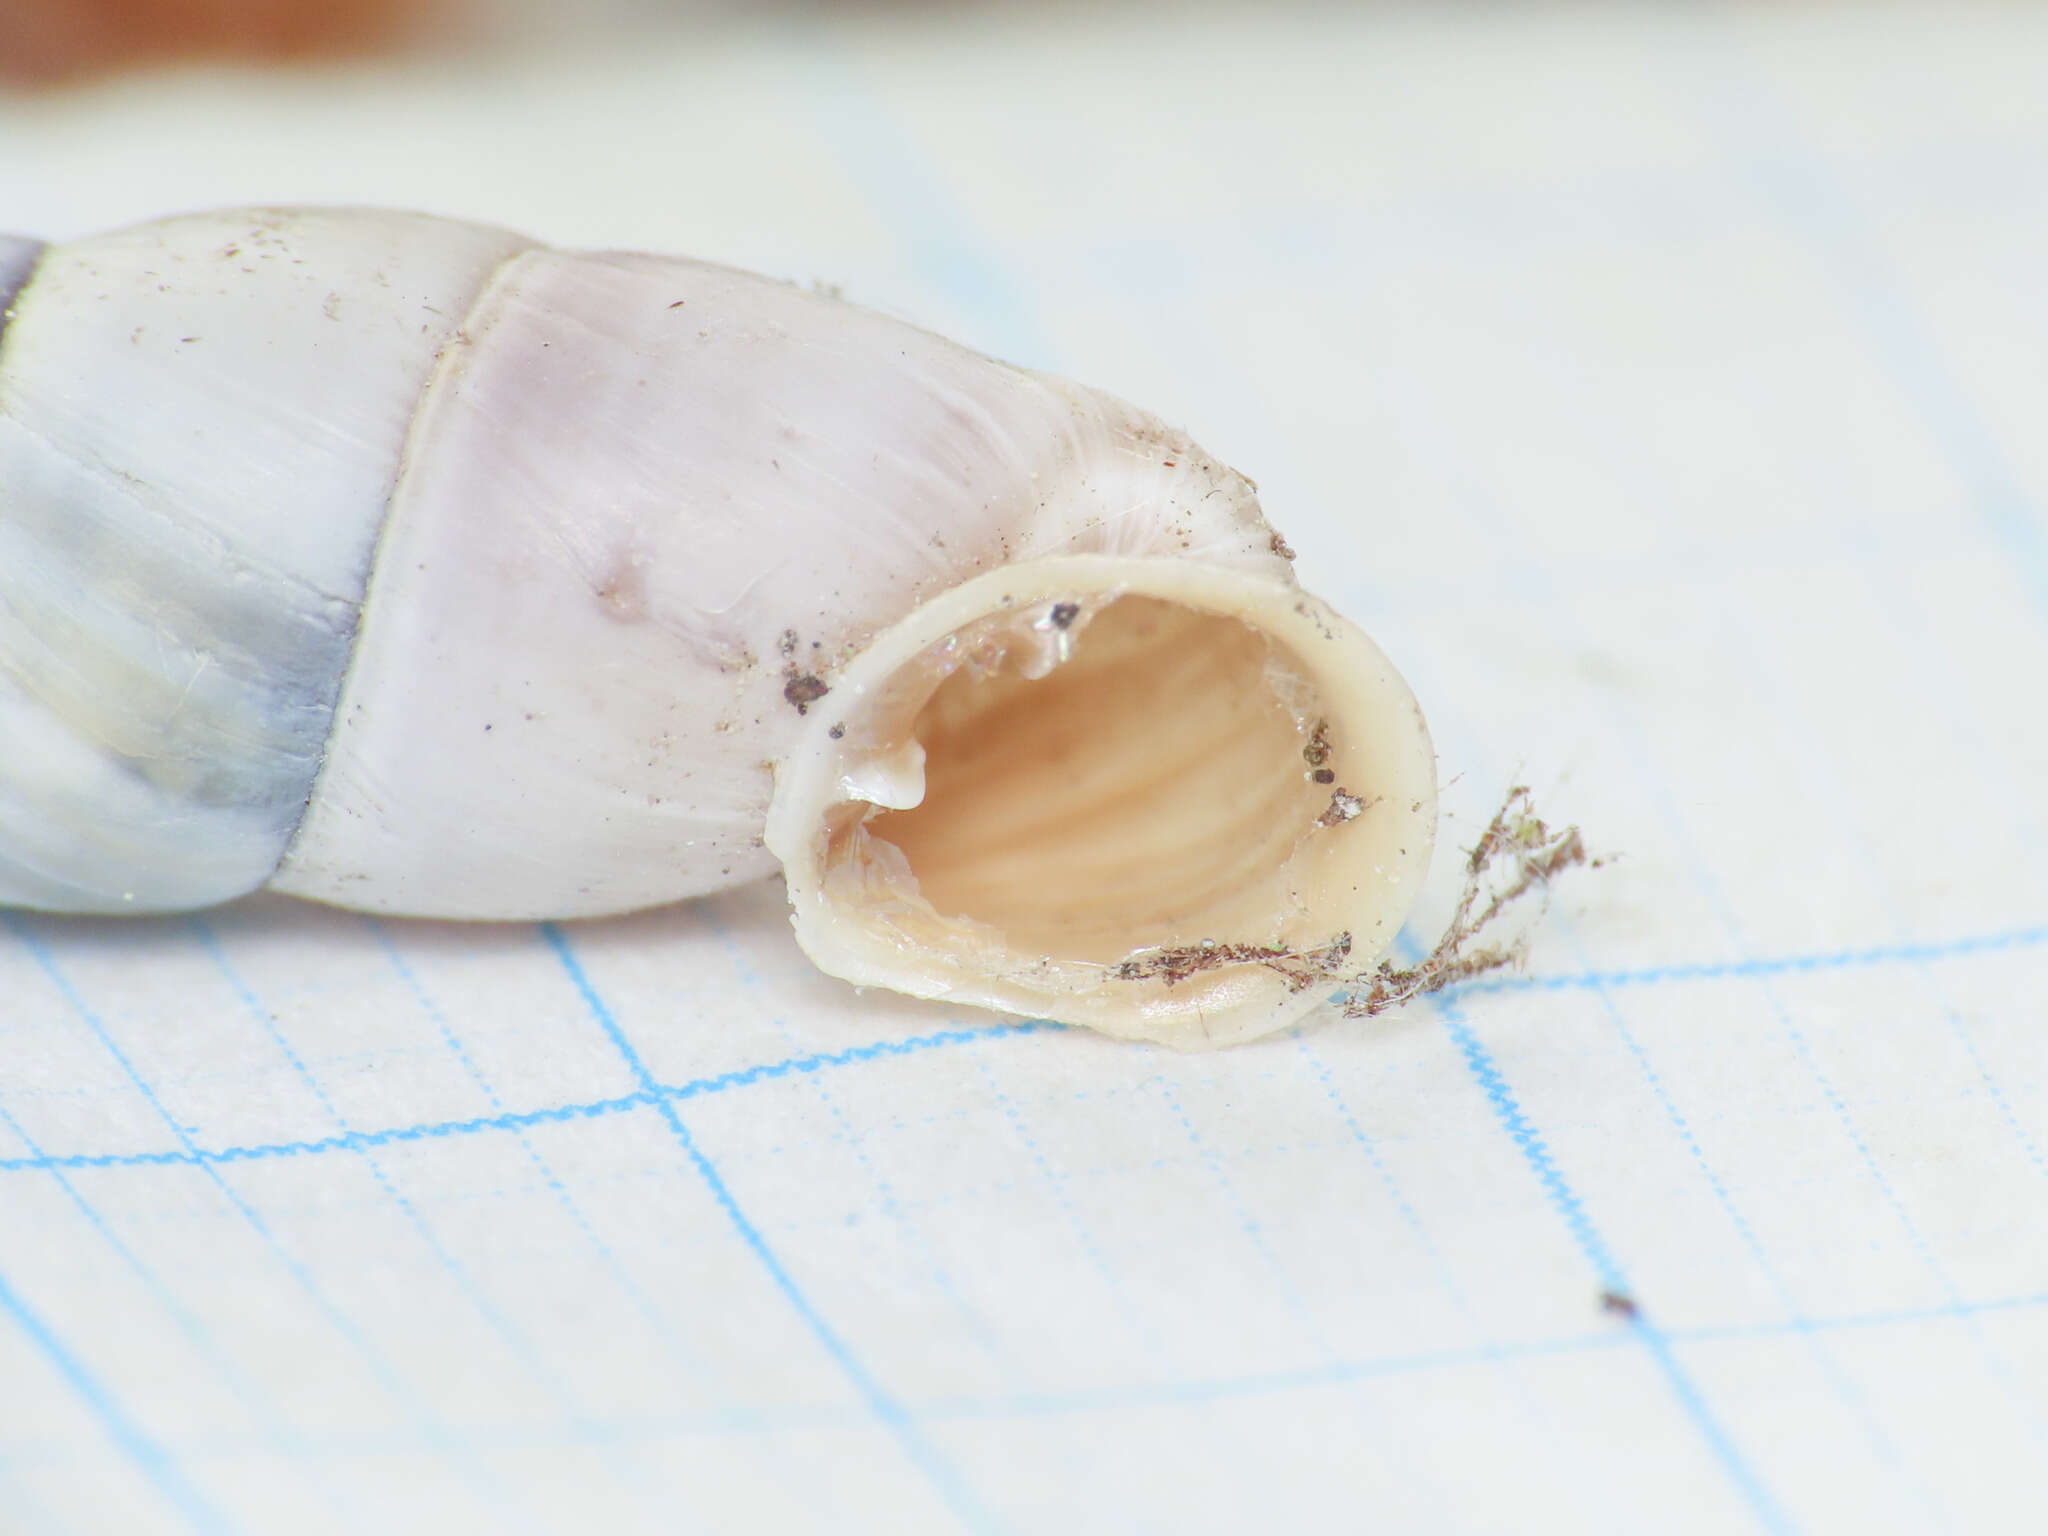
(1149, 791)
(1163, 798)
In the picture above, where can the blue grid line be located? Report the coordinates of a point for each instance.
(2032, 937)
(1485, 502)
(1844, 1388)
(1507, 1109)
(1673, 974)
(347, 1141)
(919, 208)
(1897, 1317)
(1762, 970)
(1136, 1320)
(27, 1504)
(1913, 354)
(1403, 1206)
(911, 1230)
(543, 1373)
(885, 1407)
(2026, 1396)
(1915, 1238)
(1914, 956)
(280, 1435)
(1639, 979)
(1338, 1372)
(388, 1378)
(1209, 1389)
(1247, 1223)
(1820, 790)
(1164, 1393)
(1852, 1401)
(1031, 1405)
(2012, 1121)
(149, 1457)
(1539, 1424)
(1782, 167)
(1597, 981)
(503, 1435)
(892, 1209)
(1566, 1202)
(1903, 342)
(636, 1296)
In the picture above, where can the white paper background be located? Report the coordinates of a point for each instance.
(1663, 390)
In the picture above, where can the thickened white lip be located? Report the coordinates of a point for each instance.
(1162, 798)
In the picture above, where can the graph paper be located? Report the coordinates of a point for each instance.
(1662, 390)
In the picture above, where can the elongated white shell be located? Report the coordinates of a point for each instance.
(410, 566)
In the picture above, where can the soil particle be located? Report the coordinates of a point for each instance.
(1317, 751)
(1300, 968)
(1344, 806)
(804, 689)
(1517, 855)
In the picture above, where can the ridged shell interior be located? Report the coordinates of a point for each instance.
(1158, 798)
(1147, 792)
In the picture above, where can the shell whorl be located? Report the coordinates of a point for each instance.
(196, 442)
(411, 566)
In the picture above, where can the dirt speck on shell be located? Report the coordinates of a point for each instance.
(804, 689)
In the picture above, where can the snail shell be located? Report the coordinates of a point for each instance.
(411, 566)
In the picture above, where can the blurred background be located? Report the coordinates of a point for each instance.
(42, 41)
